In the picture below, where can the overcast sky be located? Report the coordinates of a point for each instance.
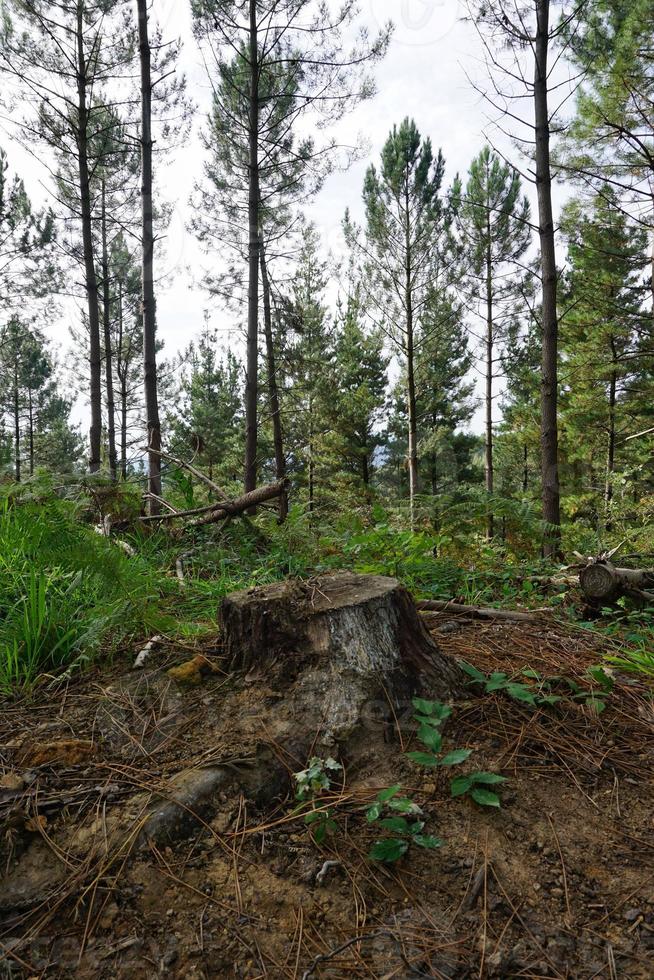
(424, 75)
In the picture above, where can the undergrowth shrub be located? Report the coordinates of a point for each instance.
(65, 591)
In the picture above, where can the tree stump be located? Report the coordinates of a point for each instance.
(338, 643)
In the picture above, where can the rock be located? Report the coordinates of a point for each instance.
(632, 914)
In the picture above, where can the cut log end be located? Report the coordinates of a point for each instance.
(602, 582)
(598, 582)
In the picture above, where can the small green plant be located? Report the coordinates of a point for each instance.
(311, 783)
(473, 785)
(403, 822)
(430, 715)
(542, 691)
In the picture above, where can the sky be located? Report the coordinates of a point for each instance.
(425, 75)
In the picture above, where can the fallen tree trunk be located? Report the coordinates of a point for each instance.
(602, 582)
(224, 508)
(341, 644)
(481, 612)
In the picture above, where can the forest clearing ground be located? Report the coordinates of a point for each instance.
(557, 883)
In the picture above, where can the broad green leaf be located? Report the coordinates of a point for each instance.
(430, 737)
(423, 758)
(432, 722)
(549, 698)
(520, 693)
(484, 797)
(456, 757)
(424, 707)
(405, 805)
(387, 794)
(599, 675)
(389, 850)
(397, 824)
(496, 682)
(460, 785)
(471, 671)
(487, 778)
(373, 812)
(426, 840)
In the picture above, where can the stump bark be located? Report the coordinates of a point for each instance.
(339, 642)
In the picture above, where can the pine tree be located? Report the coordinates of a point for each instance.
(65, 56)
(26, 240)
(360, 373)
(494, 221)
(207, 424)
(30, 401)
(603, 331)
(511, 29)
(308, 367)
(404, 215)
(444, 391)
(289, 62)
(610, 143)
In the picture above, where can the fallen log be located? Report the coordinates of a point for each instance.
(223, 508)
(602, 582)
(481, 612)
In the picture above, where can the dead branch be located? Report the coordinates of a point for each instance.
(480, 612)
(198, 474)
(160, 500)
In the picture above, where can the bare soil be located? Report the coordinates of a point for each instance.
(557, 883)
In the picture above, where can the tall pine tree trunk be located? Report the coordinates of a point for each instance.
(121, 370)
(273, 393)
(490, 529)
(610, 449)
(16, 400)
(525, 468)
(90, 276)
(254, 238)
(312, 469)
(147, 245)
(550, 326)
(410, 371)
(108, 354)
(30, 406)
(123, 429)
(365, 468)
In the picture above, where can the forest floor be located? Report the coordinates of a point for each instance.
(557, 883)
